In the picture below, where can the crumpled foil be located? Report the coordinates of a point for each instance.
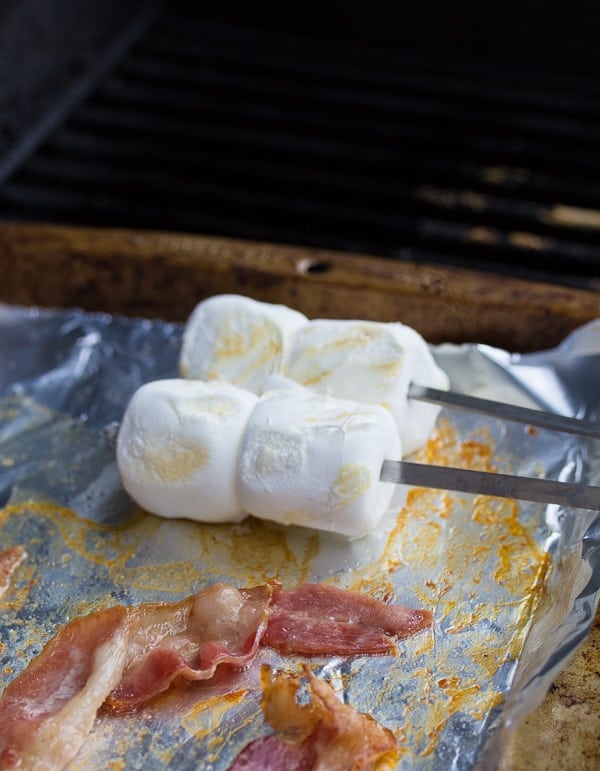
(513, 586)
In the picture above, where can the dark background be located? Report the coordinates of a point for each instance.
(464, 133)
(46, 44)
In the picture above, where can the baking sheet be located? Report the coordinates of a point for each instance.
(513, 587)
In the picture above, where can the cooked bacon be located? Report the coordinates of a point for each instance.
(322, 734)
(318, 619)
(190, 640)
(47, 712)
(10, 559)
(125, 655)
(121, 657)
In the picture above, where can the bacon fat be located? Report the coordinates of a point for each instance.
(10, 559)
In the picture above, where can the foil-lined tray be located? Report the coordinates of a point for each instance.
(513, 586)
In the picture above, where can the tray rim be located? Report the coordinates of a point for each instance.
(163, 275)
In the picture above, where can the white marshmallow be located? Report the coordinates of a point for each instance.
(370, 362)
(178, 448)
(237, 340)
(309, 459)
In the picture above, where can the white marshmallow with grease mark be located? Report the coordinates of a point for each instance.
(309, 459)
(369, 362)
(237, 340)
(178, 448)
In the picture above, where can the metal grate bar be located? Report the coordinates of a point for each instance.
(412, 165)
(352, 189)
(240, 113)
(382, 105)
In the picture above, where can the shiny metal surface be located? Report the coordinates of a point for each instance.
(512, 412)
(488, 483)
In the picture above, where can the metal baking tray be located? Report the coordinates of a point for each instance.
(514, 587)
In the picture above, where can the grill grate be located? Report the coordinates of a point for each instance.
(234, 128)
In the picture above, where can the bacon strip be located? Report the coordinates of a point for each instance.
(322, 734)
(318, 619)
(47, 712)
(190, 640)
(125, 655)
(10, 559)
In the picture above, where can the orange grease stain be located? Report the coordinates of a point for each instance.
(428, 532)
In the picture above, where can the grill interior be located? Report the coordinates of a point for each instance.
(339, 130)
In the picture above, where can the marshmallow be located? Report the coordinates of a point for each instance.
(237, 340)
(309, 459)
(370, 362)
(178, 448)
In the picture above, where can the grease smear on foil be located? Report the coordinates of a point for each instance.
(479, 563)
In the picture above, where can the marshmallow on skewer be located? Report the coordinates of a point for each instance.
(178, 448)
(369, 362)
(237, 340)
(309, 459)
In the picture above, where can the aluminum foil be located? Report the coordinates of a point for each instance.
(513, 586)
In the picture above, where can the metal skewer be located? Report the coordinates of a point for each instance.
(506, 411)
(569, 494)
